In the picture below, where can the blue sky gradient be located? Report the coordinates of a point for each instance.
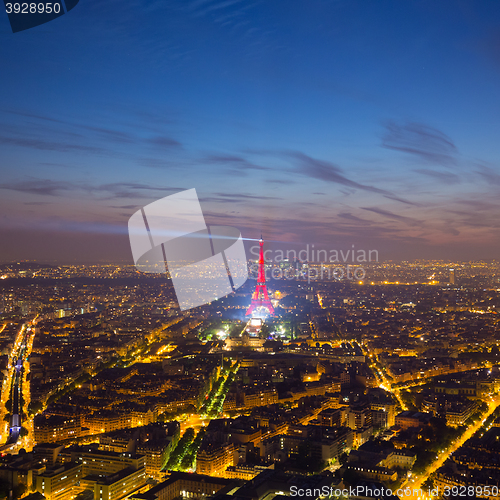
(328, 122)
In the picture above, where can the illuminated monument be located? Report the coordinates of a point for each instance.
(260, 298)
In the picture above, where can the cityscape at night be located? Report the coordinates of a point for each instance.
(250, 250)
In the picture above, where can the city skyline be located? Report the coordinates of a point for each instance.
(331, 123)
(388, 381)
(249, 250)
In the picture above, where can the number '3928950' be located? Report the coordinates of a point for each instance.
(25, 15)
(33, 8)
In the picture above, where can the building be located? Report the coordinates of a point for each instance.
(331, 417)
(327, 443)
(457, 414)
(373, 472)
(456, 389)
(244, 472)
(214, 458)
(117, 485)
(408, 419)
(108, 421)
(104, 462)
(264, 397)
(60, 483)
(358, 417)
(155, 442)
(182, 484)
(56, 428)
(362, 435)
(388, 409)
(399, 459)
(452, 277)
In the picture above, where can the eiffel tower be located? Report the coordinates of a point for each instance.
(260, 298)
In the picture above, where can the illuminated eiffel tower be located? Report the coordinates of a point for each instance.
(260, 298)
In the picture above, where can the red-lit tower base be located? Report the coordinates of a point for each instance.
(260, 298)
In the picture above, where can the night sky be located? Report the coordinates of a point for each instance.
(332, 123)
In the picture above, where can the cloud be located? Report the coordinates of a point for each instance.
(236, 198)
(215, 5)
(61, 224)
(282, 181)
(235, 16)
(106, 133)
(52, 164)
(164, 142)
(401, 200)
(161, 119)
(125, 207)
(250, 196)
(353, 218)
(235, 162)
(449, 229)
(131, 189)
(489, 175)
(43, 187)
(231, 9)
(390, 215)
(39, 130)
(47, 187)
(329, 172)
(44, 145)
(159, 163)
(32, 115)
(477, 213)
(480, 205)
(111, 135)
(445, 177)
(427, 143)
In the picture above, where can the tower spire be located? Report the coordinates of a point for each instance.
(260, 298)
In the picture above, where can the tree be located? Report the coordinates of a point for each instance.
(180, 450)
(35, 407)
(264, 331)
(428, 484)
